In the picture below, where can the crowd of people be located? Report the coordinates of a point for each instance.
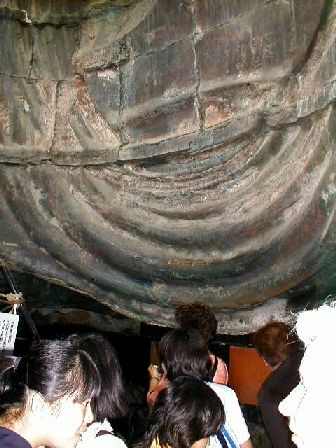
(66, 393)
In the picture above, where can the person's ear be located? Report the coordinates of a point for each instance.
(38, 406)
(265, 362)
(163, 368)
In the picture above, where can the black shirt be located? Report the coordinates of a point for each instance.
(276, 387)
(10, 439)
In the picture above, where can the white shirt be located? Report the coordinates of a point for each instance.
(89, 439)
(234, 420)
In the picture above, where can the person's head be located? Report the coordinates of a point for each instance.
(310, 406)
(274, 342)
(110, 402)
(198, 316)
(185, 415)
(46, 399)
(185, 352)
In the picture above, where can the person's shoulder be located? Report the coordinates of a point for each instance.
(92, 437)
(222, 390)
(221, 375)
(10, 438)
(109, 440)
(96, 427)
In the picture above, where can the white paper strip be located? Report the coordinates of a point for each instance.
(8, 329)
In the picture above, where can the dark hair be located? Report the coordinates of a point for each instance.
(274, 342)
(109, 403)
(198, 316)
(55, 369)
(187, 410)
(185, 352)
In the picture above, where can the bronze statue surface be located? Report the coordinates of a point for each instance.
(160, 151)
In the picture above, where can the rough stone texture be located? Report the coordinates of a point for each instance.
(160, 151)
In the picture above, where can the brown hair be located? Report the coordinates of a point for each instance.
(274, 342)
(197, 316)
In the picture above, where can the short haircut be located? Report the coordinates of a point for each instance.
(198, 316)
(186, 411)
(55, 369)
(185, 352)
(110, 402)
(274, 342)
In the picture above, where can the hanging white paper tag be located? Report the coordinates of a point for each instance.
(8, 329)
